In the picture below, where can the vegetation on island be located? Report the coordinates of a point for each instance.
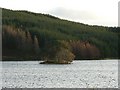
(34, 36)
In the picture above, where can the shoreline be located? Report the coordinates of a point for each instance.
(43, 60)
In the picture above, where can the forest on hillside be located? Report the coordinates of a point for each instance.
(34, 36)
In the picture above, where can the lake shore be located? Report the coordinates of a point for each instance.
(5, 58)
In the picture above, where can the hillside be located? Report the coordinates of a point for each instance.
(35, 36)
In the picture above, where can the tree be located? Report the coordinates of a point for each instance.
(29, 43)
(64, 56)
(15, 39)
(84, 50)
(58, 51)
(36, 45)
(92, 51)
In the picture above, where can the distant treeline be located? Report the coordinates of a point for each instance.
(32, 36)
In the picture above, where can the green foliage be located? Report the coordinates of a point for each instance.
(55, 35)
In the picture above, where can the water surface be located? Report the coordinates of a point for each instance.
(79, 74)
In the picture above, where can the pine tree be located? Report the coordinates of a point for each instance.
(29, 43)
(36, 45)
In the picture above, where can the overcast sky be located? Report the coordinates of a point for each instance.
(93, 12)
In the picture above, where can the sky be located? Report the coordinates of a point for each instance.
(92, 12)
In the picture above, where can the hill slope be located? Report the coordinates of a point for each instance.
(45, 33)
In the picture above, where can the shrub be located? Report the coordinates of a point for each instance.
(64, 56)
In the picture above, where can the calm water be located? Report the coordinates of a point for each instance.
(79, 74)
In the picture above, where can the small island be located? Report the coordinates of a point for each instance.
(59, 53)
(64, 56)
(55, 62)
